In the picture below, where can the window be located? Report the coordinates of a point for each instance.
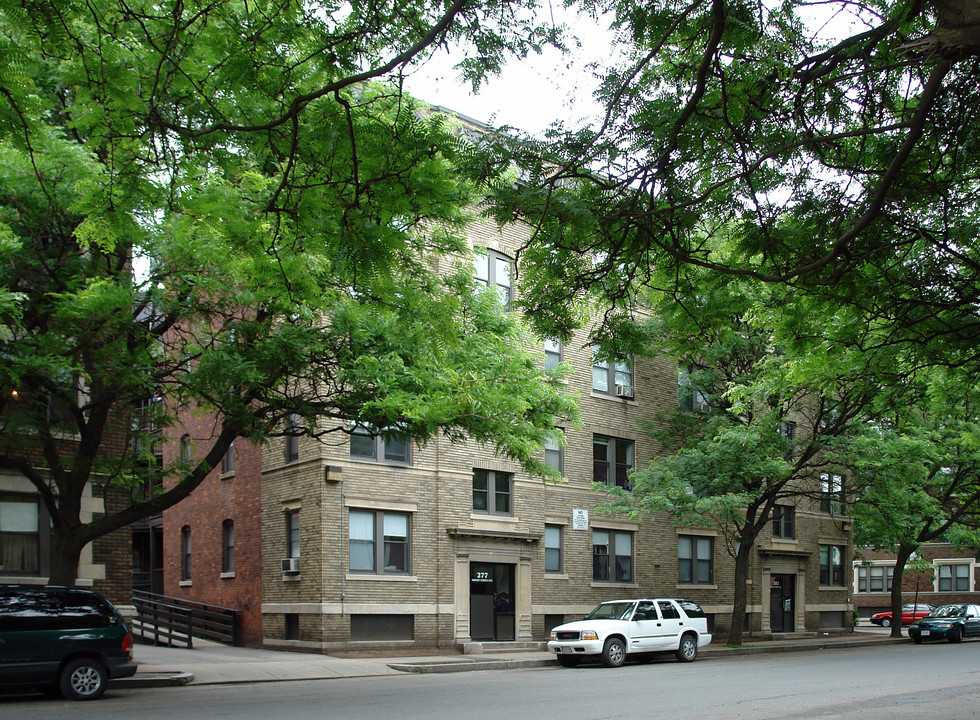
(784, 522)
(293, 432)
(388, 447)
(690, 397)
(612, 378)
(612, 460)
(292, 626)
(554, 455)
(185, 448)
(831, 493)
(832, 565)
(228, 546)
(185, 553)
(668, 611)
(494, 270)
(875, 578)
(552, 354)
(612, 556)
(492, 492)
(20, 535)
(552, 548)
(787, 431)
(370, 556)
(228, 462)
(954, 577)
(292, 533)
(695, 564)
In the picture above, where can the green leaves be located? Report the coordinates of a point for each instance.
(230, 207)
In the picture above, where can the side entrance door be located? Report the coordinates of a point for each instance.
(781, 603)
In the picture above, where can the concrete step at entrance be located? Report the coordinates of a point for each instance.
(487, 647)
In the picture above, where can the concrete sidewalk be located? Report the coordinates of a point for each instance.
(211, 663)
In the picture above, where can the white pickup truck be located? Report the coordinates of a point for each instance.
(637, 629)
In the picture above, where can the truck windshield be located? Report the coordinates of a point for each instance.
(612, 611)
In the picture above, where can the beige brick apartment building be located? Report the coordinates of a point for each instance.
(369, 541)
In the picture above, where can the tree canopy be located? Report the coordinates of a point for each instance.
(231, 207)
(914, 472)
(756, 418)
(832, 145)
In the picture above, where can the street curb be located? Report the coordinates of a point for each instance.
(714, 650)
(469, 665)
(153, 680)
(776, 647)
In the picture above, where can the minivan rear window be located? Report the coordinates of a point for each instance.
(35, 611)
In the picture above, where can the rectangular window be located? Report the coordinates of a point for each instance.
(228, 546)
(185, 553)
(554, 455)
(831, 493)
(228, 462)
(367, 554)
(784, 522)
(695, 560)
(293, 433)
(612, 460)
(954, 577)
(492, 492)
(389, 446)
(494, 270)
(552, 354)
(382, 628)
(689, 396)
(612, 378)
(787, 431)
(20, 535)
(552, 548)
(292, 533)
(612, 556)
(832, 565)
(875, 578)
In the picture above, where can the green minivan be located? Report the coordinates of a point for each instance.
(62, 639)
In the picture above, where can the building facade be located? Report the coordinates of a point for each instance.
(213, 538)
(368, 541)
(952, 578)
(25, 541)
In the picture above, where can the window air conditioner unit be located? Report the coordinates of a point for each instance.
(625, 391)
(290, 565)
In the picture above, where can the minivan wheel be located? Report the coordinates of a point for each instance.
(688, 649)
(83, 679)
(614, 653)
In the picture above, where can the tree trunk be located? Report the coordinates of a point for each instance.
(741, 591)
(901, 558)
(65, 554)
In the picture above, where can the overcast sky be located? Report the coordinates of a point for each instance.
(529, 95)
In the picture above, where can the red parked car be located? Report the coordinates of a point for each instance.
(910, 613)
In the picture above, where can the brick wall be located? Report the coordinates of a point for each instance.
(446, 535)
(235, 496)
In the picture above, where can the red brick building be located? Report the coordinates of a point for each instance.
(953, 577)
(213, 539)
